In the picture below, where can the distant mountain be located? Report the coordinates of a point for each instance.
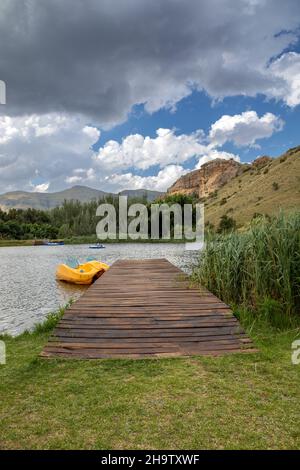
(24, 199)
(142, 193)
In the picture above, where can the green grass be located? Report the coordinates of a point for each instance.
(248, 401)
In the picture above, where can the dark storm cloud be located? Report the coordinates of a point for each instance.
(99, 58)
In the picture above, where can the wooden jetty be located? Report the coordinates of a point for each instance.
(145, 308)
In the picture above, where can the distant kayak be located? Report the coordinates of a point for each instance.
(83, 274)
(98, 246)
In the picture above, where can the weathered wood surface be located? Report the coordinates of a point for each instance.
(146, 308)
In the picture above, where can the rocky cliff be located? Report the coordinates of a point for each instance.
(209, 178)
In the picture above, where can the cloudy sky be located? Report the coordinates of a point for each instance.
(132, 94)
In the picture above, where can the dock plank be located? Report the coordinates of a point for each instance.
(146, 308)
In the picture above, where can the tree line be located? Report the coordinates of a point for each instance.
(71, 219)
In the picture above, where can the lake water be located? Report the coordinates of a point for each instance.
(29, 290)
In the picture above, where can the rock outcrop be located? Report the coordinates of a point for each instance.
(209, 178)
(259, 162)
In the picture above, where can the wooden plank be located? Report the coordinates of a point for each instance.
(145, 308)
(142, 341)
(63, 333)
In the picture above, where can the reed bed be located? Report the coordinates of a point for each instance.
(259, 269)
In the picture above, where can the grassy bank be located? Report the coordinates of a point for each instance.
(237, 401)
(258, 269)
(6, 242)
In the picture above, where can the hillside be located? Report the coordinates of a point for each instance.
(242, 191)
(260, 189)
(24, 200)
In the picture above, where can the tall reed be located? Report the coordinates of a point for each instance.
(258, 266)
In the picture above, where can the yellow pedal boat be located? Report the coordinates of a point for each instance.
(83, 274)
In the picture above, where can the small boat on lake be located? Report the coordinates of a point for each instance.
(83, 273)
(97, 246)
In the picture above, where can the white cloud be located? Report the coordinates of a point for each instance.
(28, 128)
(159, 182)
(164, 178)
(46, 152)
(213, 154)
(81, 175)
(176, 47)
(73, 179)
(210, 45)
(92, 132)
(287, 67)
(143, 152)
(244, 129)
(48, 146)
(40, 188)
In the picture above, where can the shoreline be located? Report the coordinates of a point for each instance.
(86, 241)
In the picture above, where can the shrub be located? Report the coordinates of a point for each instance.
(226, 224)
(275, 186)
